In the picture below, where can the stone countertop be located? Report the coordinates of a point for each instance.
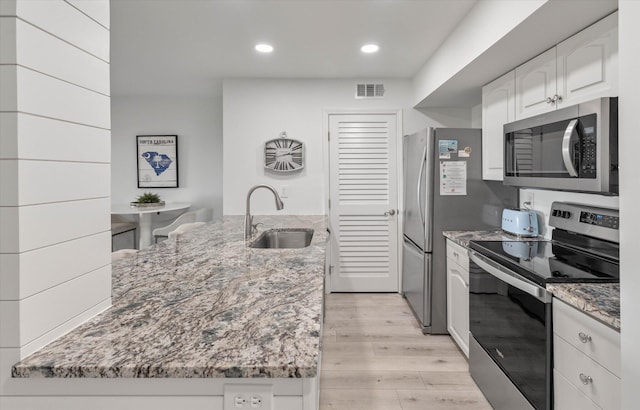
(202, 306)
(599, 300)
(463, 238)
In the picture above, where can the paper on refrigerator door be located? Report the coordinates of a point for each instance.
(453, 178)
(446, 148)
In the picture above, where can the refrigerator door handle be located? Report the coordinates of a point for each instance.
(428, 186)
(418, 196)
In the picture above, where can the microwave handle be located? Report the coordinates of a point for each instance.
(566, 145)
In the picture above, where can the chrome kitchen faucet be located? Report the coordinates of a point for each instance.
(249, 227)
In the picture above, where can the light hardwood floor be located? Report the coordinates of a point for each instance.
(376, 358)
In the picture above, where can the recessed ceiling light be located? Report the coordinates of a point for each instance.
(369, 48)
(264, 48)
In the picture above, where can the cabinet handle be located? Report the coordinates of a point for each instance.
(390, 212)
(584, 338)
(552, 100)
(585, 379)
(456, 254)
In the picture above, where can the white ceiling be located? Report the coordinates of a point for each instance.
(186, 47)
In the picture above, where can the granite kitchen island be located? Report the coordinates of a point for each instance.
(192, 316)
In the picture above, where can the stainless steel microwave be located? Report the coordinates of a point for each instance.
(571, 149)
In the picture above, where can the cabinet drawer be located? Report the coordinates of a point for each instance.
(566, 396)
(589, 336)
(590, 378)
(458, 254)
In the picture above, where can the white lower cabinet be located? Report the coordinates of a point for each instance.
(568, 396)
(586, 361)
(458, 295)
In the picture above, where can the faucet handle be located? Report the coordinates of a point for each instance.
(254, 227)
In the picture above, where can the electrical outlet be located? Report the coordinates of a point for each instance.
(248, 396)
(255, 401)
(284, 191)
(527, 199)
(239, 401)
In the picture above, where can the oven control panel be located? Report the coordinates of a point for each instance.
(602, 223)
(594, 218)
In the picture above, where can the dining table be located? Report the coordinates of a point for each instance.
(144, 214)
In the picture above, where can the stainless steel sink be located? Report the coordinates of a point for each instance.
(283, 238)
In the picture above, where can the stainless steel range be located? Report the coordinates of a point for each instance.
(510, 348)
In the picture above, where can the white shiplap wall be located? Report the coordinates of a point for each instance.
(55, 236)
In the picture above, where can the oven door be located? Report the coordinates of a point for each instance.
(511, 322)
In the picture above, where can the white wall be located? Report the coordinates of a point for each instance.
(629, 33)
(485, 24)
(55, 260)
(257, 110)
(197, 121)
(449, 117)
(476, 116)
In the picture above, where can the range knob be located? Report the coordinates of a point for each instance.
(561, 214)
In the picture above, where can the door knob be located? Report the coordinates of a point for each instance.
(390, 212)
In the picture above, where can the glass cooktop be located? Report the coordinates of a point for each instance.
(551, 262)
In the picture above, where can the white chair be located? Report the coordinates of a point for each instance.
(184, 228)
(187, 217)
(122, 254)
(204, 214)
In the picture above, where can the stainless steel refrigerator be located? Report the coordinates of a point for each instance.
(443, 191)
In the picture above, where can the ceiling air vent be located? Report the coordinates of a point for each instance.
(369, 90)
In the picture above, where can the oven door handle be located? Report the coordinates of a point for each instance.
(496, 270)
(566, 148)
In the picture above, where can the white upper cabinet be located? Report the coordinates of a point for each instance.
(536, 85)
(579, 69)
(588, 63)
(498, 108)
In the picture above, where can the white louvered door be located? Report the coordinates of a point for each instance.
(364, 202)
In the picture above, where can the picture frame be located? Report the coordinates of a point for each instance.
(157, 161)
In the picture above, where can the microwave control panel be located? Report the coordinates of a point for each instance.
(588, 147)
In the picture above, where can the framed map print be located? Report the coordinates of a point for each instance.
(157, 161)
